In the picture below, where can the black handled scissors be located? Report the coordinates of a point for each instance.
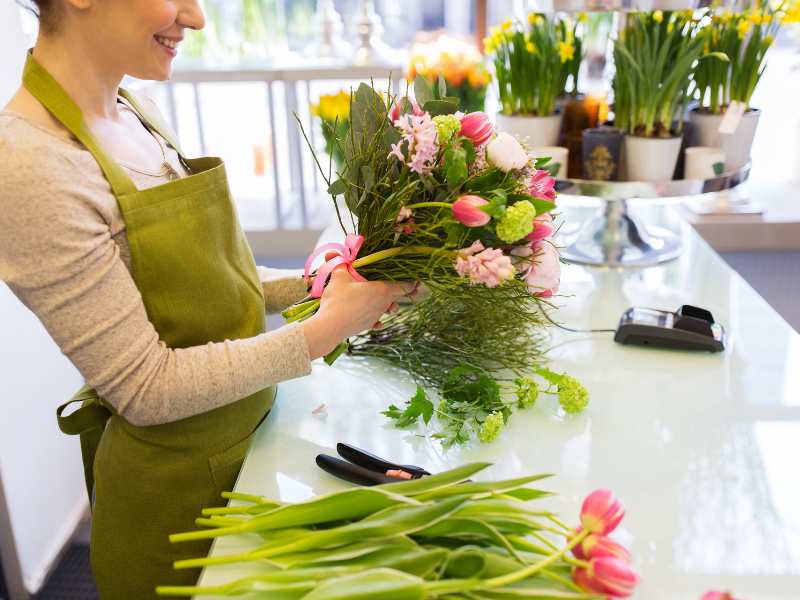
(363, 468)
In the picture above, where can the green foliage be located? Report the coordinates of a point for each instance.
(440, 536)
(744, 39)
(418, 406)
(655, 56)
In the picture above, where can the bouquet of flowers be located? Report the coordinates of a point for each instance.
(532, 65)
(333, 111)
(442, 536)
(437, 196)
(458, 62)
(743, 37)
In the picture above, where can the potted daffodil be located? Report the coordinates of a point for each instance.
(529, 63)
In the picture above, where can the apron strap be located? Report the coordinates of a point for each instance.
(89, 421)
(49, 92)
(153, 120)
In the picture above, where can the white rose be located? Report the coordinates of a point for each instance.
(506, 153)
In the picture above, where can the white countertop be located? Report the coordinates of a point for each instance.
(701, 448)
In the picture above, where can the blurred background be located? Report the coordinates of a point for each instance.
(238, 90)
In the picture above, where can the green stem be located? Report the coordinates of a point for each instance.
(562, 580)
(189, 590)
(305, 313)
(516, 576)
(429, 205)
(392, 252)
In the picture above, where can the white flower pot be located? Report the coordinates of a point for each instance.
(534, 131)
(736, 146)
(650, 159)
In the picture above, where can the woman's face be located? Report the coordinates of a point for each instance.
(140, 37)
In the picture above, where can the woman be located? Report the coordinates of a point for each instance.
(132, 257)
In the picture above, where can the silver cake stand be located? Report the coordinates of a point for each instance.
(613, 238)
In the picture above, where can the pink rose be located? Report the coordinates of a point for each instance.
(467, 211)
(477, 127)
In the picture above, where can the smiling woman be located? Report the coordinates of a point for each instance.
(131, 255)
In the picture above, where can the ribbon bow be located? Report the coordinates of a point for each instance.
(346, 254)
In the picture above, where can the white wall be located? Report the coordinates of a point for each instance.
(40, 468)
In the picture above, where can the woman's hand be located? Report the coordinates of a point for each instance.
(348, 307)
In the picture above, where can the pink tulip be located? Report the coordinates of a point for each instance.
(467, 211)
(542, 228)
(607, 575)
(397, 110)
(712, 595)
(542, 185)
(544, 274)
(597, 546)
(601, 512)
(477, 127)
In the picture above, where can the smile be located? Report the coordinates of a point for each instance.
(172, 44)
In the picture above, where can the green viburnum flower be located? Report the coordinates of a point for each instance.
(446, 127)
(517, 222)
(527, 392)
(572, 396)
(492, 425)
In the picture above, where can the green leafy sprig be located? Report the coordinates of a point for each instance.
(473, 404)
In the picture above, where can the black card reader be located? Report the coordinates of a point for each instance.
(689, 328)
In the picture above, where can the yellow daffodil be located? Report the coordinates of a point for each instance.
(670, 26)
(742, 28)
(488, 45)
(535, 19)
(658, 16)
(768, 39)
(566, 51)
(506, 25)
(332, 106)
(530, 47)
(582, 17)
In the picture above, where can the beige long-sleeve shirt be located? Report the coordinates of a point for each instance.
(65, 255)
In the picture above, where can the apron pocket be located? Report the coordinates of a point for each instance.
(226, 465)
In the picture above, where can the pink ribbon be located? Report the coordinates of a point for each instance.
(346, 252)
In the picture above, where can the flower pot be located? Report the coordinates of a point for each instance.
(534, 131)
(736, 145)
(651, 159)
(703, 162)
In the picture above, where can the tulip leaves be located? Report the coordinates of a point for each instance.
(442, 536)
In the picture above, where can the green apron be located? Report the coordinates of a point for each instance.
(197, 277)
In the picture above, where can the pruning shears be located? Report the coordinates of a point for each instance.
(363, 468)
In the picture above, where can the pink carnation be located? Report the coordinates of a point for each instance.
(420, 137)
(488, 266)
(544, 274)
(542, 185)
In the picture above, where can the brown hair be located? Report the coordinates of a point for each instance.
(46, 11)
